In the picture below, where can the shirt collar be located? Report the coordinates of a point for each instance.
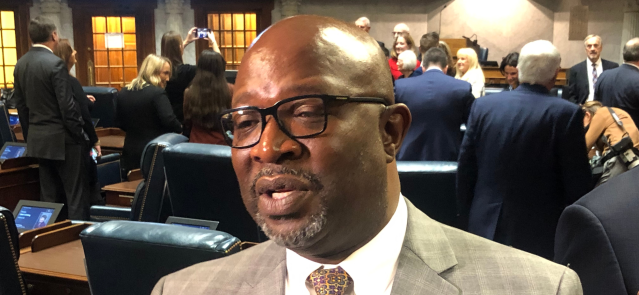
(374, 264)
(597, 63)
(434, 68)
(42, 46)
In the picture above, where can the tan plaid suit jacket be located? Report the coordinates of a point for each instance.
(435, 259)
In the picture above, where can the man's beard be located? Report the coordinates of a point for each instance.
(301, 237)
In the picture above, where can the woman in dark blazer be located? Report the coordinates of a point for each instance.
(172, 48)
(65, 52)
(143, 111)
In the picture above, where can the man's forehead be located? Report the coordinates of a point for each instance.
(593, 40)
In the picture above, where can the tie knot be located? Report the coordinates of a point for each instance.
(594, 65)
(330, 281)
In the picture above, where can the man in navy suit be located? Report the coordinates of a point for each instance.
(619, 87)
(523, 158)
(583, 76)
(439, 104)
(599, 235)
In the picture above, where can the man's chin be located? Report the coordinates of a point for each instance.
(292, 233)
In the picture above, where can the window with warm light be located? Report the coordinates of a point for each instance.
(114, 50)
(234, 33)
(8, 50)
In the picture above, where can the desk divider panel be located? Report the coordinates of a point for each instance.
(26, 237)
(57, 237)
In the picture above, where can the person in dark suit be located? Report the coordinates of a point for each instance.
(583, 76)
(143, 111)
(181, 74)
(364, 24)
(618, 87)
(522, 160)
(599, 234)
(439, 104)
(51, 121)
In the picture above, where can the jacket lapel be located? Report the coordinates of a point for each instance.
(426, 254)
(269, 273)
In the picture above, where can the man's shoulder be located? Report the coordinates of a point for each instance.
(578, 66)
(496, 265)
(226, 274)
(609, 64)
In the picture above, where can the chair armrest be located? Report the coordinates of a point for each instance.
(106, 213)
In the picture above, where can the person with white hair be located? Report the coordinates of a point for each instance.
(364, 24)
(400, 29)
(522, 158)
(407, 64)
(583, 76)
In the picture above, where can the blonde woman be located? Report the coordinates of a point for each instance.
(144, 111)
(468, 70)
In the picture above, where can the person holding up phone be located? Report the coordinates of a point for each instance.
(172, 48)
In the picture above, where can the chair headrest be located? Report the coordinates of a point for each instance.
(154, 149)
(163, 234)
(98, 90)
(199, 150)
(426, 167)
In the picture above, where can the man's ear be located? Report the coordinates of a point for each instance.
(394, 124)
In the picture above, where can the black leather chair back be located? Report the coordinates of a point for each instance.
(230, 76)
(109, 169)
(148, 201)
(430, 186)
(104, 105)
(11, 281)
(203, 185)
(125, 257)
(6, 133)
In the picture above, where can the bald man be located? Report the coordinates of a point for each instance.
(314, 153)
(364, 24)
(400, 29)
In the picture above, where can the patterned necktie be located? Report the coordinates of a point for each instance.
(330, 281)
(594, 73)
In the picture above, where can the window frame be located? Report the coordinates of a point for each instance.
(21, 17)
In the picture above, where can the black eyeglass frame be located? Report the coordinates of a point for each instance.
(272, 110)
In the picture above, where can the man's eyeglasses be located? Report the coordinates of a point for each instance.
(298, 117)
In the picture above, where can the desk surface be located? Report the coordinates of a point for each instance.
(123, 187)
(63, 261)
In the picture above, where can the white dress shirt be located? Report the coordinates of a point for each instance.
(372, 267)
(591, 95)
(42, 46)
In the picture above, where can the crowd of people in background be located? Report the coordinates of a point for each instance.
(524, 155)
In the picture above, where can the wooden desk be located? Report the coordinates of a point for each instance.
(121, 194)
(493, 76)
(55, 270)
(111, 139)
(20, 183)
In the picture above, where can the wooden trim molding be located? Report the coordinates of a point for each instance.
(144, 12)
(202, 8)
(22, 18)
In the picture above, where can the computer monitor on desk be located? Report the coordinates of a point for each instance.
(35, 214)
(12, 150)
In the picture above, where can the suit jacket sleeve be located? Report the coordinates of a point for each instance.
(573, 158)
(582, 242)
(64, 95)
(572, 86)
(467, 100)
(165, 112)
(467, 169)
(21, 105)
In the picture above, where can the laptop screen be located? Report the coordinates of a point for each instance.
(31, 217)
(13, 151)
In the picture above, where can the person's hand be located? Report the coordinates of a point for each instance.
(91, 98)
(99, 149)
(190, 37)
